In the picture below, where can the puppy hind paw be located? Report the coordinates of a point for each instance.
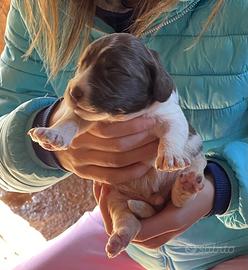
(117, 243)
(191, 182)
(186, 186)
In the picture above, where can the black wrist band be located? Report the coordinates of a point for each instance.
(222, 185)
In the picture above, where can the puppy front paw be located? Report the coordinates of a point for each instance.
(186, 185)
(49, 138)
(171, 162)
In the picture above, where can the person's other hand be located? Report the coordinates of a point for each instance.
(110, 152)
(168, 223)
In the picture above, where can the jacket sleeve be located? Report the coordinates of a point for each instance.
(233, 158)
(24, 91)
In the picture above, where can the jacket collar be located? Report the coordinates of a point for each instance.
(181, 8)
(102, 28)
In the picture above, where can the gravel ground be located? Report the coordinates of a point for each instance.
(49, 212)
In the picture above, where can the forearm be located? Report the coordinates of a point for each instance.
(43, 119)
(24, 91)
(233, 158)
(173, 220)
(21, 170)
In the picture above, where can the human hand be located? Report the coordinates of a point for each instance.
(168, 223)
(110, 153)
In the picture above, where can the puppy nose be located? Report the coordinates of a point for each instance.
(76, 93)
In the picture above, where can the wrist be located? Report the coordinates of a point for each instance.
(209, 193)
(55, 113)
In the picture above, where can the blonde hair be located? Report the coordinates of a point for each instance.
(4, 6)
(56, 30)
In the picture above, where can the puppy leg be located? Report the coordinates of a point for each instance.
(189, 183)
(60, 135)
(54, 139)
(125, 224)
(173, 131)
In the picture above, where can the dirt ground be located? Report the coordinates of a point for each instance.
(40, 216)
(53, 210)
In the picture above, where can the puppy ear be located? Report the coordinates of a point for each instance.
(161, 82)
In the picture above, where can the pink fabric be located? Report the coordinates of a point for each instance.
(239, 263)
(81, 247)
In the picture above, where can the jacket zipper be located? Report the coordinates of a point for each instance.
(171, 20)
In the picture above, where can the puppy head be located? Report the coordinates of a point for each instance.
(117, 74)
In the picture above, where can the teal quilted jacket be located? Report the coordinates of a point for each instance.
(212, 80)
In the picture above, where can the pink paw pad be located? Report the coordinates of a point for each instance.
(191, 182)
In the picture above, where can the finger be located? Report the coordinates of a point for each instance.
(160, 224)
(116, 160)
(121, 144)
(119, 129)
(97, 190)
(103, 203)
(113, 175)
(169, 220)
(158, 241)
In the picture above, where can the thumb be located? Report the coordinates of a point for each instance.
(103, 203)
(97, 187)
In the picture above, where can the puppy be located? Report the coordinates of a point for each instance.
(118, 79)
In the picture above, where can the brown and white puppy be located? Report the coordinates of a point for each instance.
(118, 79)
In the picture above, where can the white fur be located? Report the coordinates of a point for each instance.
(172, 129)
(170, 113)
